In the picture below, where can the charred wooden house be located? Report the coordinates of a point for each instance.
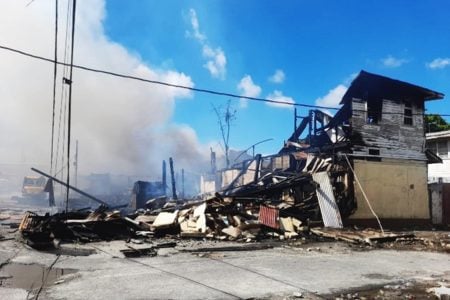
(380, 128)
(369, 159)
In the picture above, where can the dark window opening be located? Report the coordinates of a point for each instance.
(374, 155)
(373, 111)
(408, 114)
(374, 151)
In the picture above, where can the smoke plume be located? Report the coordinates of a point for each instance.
(123, 126)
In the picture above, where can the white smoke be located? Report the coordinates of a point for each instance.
(123, 126)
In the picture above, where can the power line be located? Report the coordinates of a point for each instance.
(166, 83)
(218, 93)
(400, 113)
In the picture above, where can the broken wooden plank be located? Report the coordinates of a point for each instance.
(388, 238)
(165, 219)
(287, 224)
(192, 234)
(135, 252)
(232, 231)
(146, 218)
(334, 235)
(230, 248)
(165, 245)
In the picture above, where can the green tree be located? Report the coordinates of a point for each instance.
(435, 123)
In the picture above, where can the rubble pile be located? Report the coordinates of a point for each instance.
(259, 202)
(219, 217)
(48, 230)
(262, 201)
(222, 218)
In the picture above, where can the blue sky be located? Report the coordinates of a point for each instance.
(317, 45)
(294, 51)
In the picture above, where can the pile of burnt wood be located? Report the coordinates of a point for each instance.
(281, 204)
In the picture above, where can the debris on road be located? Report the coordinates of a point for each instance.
(43, 231)
(246, 247)
(367, 236)
(286, 196)
(243, 219)
(138, 252)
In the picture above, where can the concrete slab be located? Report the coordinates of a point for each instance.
(228, 275)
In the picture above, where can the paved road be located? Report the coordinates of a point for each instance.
(228, 275)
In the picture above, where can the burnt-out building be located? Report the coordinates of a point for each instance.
(368, 161)
(387, 140)
(380, 128)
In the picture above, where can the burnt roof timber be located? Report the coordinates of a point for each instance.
(377, 85)
(299, 130)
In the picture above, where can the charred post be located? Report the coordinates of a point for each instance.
(182, 183)
(172, 175)
(164, 177)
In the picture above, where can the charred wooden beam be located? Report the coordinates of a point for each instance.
(164, 177)
(71, 187)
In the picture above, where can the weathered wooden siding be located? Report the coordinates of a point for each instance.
(390, 136)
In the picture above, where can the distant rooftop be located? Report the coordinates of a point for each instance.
(438, 135)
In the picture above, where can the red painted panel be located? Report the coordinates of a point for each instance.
(269, 216)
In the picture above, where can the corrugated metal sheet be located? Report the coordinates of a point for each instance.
(269, 216)
(330, 211)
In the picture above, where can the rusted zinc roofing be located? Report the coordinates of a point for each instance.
(372, 85)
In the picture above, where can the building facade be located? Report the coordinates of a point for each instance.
(439, 143)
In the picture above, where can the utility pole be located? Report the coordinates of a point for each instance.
(69, 112)
(75, 163)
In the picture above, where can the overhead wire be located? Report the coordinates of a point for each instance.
(55, 69)
(201, 90)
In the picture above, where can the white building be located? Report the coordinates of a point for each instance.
(439, 143)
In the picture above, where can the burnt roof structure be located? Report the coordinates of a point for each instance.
(378, 86)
